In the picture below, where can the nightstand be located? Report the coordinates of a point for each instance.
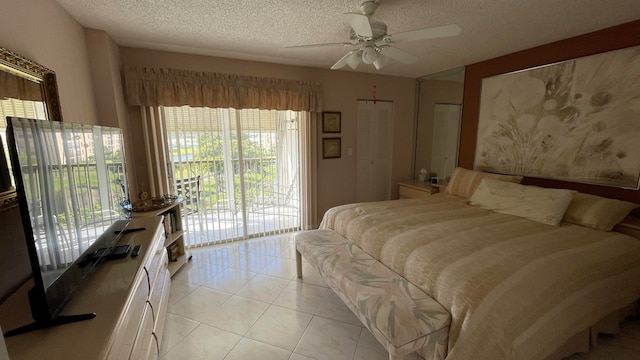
(416, 189)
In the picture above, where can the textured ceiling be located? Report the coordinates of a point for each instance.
(261, 30)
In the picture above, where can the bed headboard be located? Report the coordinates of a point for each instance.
(617, 37)
(630, 226)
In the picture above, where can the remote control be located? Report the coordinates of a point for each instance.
(126, 231)
(119, 252)
(100, 253)
(135, 251)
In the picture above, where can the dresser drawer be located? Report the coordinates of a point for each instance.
(125, 333)
(145, 345)
(408, 193)
(158, 288)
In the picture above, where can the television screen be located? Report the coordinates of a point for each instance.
(72, 190)
(15, 269)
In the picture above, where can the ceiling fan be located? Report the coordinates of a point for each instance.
(374, 44)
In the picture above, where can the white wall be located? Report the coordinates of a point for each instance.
(44, 32)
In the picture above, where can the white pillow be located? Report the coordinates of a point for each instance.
(535, 203)
(464, 182)
(597, 212)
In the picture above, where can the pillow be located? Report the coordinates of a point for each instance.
(597, 212)
(535, 203)
(464, 182)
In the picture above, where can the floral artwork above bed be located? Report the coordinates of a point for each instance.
(576, 120)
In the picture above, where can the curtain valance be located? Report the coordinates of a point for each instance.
(146, 86)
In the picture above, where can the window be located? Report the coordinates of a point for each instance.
(19, 108)
(238, 171)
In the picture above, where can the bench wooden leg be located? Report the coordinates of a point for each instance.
(299, 264)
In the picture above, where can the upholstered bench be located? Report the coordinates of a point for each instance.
(399, 315)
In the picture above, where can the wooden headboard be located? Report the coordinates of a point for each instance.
(630, 226)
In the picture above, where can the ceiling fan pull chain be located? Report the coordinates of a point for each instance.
(374, 94)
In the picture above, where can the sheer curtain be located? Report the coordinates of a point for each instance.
(154, 89)
(72, 176)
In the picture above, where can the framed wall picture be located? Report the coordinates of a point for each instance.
(331, 148)
(570, 121)
(331, 122)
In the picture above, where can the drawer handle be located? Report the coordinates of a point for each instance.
(157, 343)
(153, 314)
(148, 279)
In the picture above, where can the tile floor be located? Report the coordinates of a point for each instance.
(243, 301)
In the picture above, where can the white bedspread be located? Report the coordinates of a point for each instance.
(516, 289)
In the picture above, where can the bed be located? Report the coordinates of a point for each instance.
(520, 275)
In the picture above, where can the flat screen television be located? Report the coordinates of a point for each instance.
(71, 187)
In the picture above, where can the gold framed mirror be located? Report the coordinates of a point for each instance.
(27, 89)
(26, 69)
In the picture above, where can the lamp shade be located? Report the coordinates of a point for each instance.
(353, 60)
(380, 61)
(369, 55)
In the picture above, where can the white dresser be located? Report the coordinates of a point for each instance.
(129, 296)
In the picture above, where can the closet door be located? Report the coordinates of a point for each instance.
(446, 134)
(373, 150)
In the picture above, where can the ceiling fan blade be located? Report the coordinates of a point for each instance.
(397, 54)
(352, 58)
(319, 45)
(424, 34)
(360, 24)
(341, 63)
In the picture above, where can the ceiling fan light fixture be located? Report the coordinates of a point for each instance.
(371, 38)
(380, 62)
(353, 60)
(369, 55)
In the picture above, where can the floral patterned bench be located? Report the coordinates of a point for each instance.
(401, 316)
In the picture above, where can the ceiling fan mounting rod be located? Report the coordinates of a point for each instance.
(368, 8)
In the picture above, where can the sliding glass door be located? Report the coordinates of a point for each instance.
(237, 170)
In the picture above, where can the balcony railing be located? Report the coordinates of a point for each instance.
(204, 184)
(213, 214)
